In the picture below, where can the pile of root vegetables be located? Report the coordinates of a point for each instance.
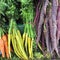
(41, 32)
(47, 23)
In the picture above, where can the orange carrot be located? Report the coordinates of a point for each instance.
(2, 47)
(5, 39)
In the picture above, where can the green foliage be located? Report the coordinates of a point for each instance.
(12, 11)
(24, 2)
(8, 10)
(27, 12)
(3, 7)
(38, 55)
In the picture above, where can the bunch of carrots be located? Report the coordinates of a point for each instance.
(3, 44)
(27, 13)
(15, 37)
(47, 32)
(47, 24)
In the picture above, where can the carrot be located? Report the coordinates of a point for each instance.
(2, 47)
(53, 26)
(43, 12)
(58, 24)
(5, 38)
(37, 16)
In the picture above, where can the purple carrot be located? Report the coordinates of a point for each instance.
(43, 11)
(36, 19)
(58, 24)
(46, 34)
(37, 12)
(50, 29)
(54, 26)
